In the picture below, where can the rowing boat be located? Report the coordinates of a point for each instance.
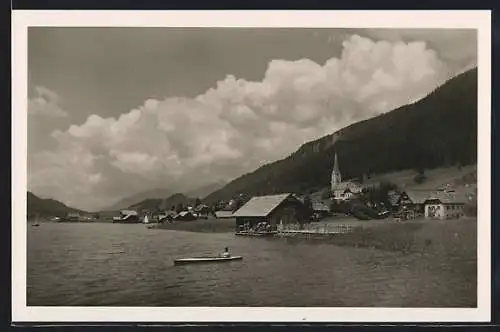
(193, 260)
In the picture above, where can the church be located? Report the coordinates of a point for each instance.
(342, 190)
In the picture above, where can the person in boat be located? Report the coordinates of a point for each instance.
(225, 254)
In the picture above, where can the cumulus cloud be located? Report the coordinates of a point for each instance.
(458, 47)
(236, 126)
(45, 103)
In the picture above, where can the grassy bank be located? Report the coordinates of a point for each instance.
(210, 225)
(428, 259)
(459, 236)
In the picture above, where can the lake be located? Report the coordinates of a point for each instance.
(103, 264)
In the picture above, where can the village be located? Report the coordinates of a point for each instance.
(340, 208)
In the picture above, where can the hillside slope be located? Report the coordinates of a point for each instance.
(438, 130)
(45, 207)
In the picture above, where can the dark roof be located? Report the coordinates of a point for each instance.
(261, 206)
(200, 207)
(417, 196)
(393, 197)
(446, 197)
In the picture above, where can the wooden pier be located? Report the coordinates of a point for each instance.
(308, 230)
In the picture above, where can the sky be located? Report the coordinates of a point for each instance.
(116, 111)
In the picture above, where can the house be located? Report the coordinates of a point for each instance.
(73, 216)
(127, 216)
(444, 205)
(223, 214)
(409, 204)
(166, 216)
(185, 216)
(393, 199)
(202, 211)
(413, 200)
(320, 210)
(273, 209)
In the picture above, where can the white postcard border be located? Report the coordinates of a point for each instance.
(21, 20)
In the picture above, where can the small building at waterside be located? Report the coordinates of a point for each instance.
(202, 210)
(273, 209)
(127, 216)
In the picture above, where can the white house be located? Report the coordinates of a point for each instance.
(444, 205)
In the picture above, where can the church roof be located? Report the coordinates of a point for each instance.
(345, 185)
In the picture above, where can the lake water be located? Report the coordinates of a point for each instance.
(129, 265)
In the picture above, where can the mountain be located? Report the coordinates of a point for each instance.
(205, 190)
(160, 194)
(438, 130)
(124, 203)
(154, 204)
(46, 207)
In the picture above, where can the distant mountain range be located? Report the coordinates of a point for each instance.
(160, 204)
(163, 196)
(46, 207)
(438, 130)
(205, 190)
(139, 197)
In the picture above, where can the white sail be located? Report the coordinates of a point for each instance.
(36, 223)
(146, 220)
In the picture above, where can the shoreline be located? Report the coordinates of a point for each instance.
(419, 235)
(411, 236)
(210, 225)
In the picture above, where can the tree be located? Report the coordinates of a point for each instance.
(326, 194)
(238, 202)
(197, 202)
(419, 178)
(172, 208)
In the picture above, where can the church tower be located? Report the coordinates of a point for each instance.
(336, 176)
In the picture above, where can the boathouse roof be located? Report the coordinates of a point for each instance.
(261, 206)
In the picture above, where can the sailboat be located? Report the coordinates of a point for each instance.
(36, 223)
(146, 220)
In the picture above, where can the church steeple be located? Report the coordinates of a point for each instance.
(336, 164)
(336, 176)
